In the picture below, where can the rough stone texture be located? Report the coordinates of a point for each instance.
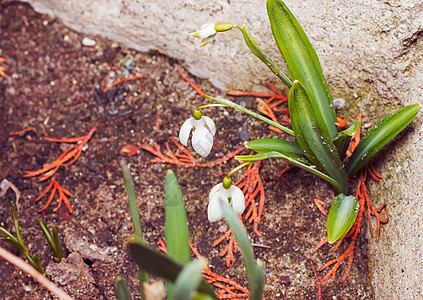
(370, 52)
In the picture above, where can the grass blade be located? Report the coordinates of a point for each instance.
(255, 271)
(133, 208)
(177, 236)
(122, 291)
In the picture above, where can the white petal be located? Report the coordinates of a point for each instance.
(210, 124)
(214, 190)
(237, 199)
(214, 211)
(207, 30)
(185, 131)
(202, 141)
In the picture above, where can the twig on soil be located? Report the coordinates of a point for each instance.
(21, 264)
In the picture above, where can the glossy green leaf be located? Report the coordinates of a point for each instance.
(379, 136)
(177, 235)
(135, 217)
(302, 61)
(288, 148)
(263, 57)
(189, 279)
(342, 139)
(122, 290)
(342, 215)
(292, 161)
(160, 265)
(255, 271)
(314, 140)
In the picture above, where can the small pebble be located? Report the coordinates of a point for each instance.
(88, 42)
(113, 111)
(93, 247)
(339, 103)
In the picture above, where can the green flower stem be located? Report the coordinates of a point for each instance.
(211, 105)
(263, 57)
(231, 104)
(238, 168)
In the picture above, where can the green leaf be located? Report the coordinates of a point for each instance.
(13, 241)
(314, 140)
(58, 244)
(255, 271)
(35, 262)
(342, 139)
(311, 169)
(17, 228)
(288, 148)
(342, 215)
(177, 235)
(263, 57)
(302, 61)
(50, 240)
(122, 290)
(135, 216)
(160, 265)
(379, 136)
(189, 279)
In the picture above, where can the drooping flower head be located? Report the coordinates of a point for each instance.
(208, 31)
(226, 191)
(203, 130)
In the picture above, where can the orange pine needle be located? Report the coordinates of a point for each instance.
(122, 80)
(320, 206)
(265, 109)
(192, 84)
(20, 132)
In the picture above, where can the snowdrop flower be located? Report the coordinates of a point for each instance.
(229, 192)
(208, 31)
(203, 130)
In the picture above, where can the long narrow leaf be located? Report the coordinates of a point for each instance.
(133, 208)
(288, 148)
(48, 236)
(58, 244)
(314, 140)
(255, 271)
(160, 265)
(302, 61)
(379, 136)
(122, 291)
(177, 236)
(17, 227)
(311, 169)
(188, 279)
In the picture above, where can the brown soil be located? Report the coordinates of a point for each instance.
(51, 85)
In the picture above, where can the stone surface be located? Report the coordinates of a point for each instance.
(370, 52)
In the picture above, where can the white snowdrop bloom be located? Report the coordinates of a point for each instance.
(233, 195)
(208, 31)
(203, 130)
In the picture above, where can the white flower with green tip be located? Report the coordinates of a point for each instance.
(226, 191)
(203, 130)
